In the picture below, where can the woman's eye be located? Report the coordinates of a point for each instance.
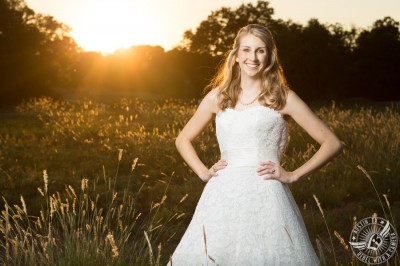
(261, 51)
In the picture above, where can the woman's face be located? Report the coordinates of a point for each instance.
(252, 55)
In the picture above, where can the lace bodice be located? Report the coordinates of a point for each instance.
(255, 134)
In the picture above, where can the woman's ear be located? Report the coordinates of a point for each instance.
(237, 59)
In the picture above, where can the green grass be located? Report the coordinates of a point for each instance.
(102, 142)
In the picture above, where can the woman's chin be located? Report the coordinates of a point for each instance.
(251, 73)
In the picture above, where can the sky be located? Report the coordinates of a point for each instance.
(105, 25)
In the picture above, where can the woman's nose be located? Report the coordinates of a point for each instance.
(253, 56)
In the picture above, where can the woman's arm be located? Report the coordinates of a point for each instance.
(203, 115)
(318, 130)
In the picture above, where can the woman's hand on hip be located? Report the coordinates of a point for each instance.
(271, 170)
(221, 164)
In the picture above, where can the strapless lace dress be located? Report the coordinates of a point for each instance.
(242, 219)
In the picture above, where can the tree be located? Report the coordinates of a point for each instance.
(35, 52)
(316, 60)
(216, 34)
(321, 61)
(377, 60)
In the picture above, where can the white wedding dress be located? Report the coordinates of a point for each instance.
(245, 219)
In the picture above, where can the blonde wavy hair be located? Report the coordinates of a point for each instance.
(273, 82)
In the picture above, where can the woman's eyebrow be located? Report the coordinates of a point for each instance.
(246, 46)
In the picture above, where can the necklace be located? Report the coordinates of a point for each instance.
(251, 101)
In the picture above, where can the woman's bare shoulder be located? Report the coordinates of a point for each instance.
(292, 100)
(211, 98)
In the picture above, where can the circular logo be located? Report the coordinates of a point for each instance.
(373, 240)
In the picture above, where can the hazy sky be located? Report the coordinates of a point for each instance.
(109, 24)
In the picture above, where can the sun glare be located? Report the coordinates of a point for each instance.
(109, 25)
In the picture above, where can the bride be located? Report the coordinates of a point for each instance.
(246, 214)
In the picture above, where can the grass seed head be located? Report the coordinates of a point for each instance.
(46, 180)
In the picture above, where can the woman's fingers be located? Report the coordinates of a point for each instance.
(267, 167)
(269, 170)
(223, 162)
(262, 171)
(213, 171)
(267, 163)
(220, 164)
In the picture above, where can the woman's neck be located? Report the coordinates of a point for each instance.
(250, 85)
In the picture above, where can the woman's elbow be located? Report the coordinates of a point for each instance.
(179, 140)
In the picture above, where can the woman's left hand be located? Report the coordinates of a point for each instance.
(271, 170)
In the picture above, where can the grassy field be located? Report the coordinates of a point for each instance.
(102, 183)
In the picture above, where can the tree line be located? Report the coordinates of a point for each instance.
(321, 61)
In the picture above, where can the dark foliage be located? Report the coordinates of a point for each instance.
(35, 52)
(320, 61)
(37, 57)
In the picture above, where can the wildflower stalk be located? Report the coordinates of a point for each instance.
(376, 191)
(120, 151)
(151, 260)
(326, 224)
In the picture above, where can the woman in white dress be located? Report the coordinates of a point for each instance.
(246, 214)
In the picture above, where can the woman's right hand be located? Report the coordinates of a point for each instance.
(221, 164)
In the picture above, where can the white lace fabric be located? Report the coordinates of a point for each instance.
(246, 220)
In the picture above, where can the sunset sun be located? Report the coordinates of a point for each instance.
(108, 26)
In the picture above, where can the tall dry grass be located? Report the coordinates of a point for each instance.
(75, 141)
(394, 260)
(76, 228)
